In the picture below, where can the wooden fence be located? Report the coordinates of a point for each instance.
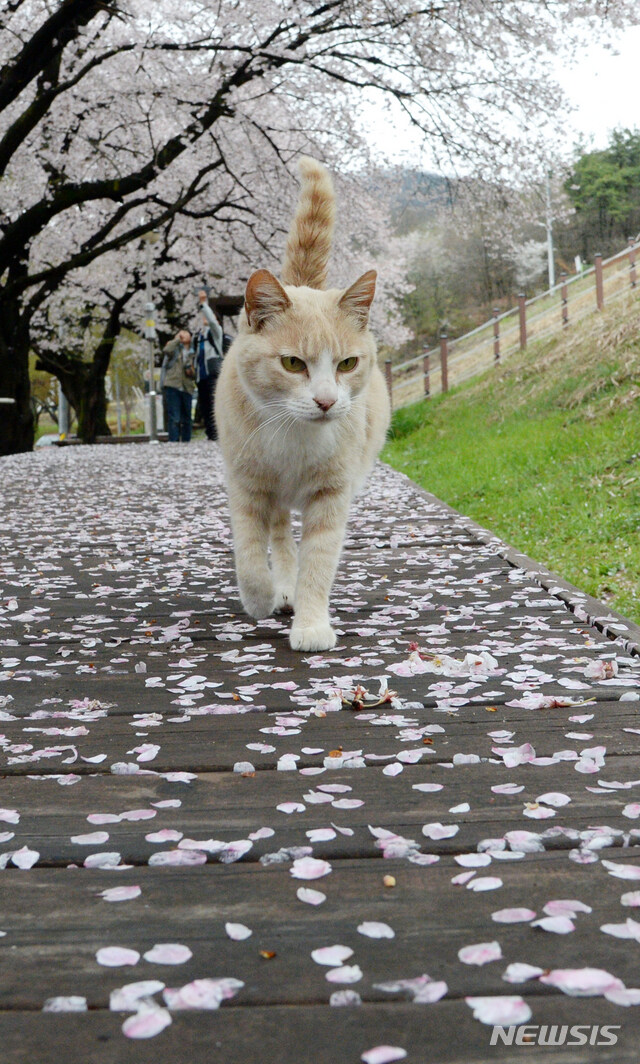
(451, 362)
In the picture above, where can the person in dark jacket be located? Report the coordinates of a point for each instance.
(207, 350)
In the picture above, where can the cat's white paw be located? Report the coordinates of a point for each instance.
(284, 599)
(312, 637)
(257, 597)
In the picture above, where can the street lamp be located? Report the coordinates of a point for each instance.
(150, 334)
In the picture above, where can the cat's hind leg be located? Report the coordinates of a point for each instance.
(284, 560)
(251, 520)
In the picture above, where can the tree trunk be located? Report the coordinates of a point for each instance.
(17, 427)
(92, 406)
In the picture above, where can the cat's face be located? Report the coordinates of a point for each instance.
(304, 352)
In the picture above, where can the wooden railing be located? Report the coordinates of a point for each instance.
(451, 362)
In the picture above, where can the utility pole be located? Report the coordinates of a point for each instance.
(549, 226)
(150, 334)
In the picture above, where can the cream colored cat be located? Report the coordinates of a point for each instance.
(302, 412)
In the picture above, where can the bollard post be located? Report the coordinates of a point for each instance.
(597, 261)
(522, 313)
(426, 370)
(388, 376)
(632, 262)
(565, 298)
(496, 335)
(444, 362)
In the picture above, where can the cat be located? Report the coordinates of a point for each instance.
(302, 412)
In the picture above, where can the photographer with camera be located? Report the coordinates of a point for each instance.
(177, 379)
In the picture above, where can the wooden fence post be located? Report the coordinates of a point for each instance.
(632, 262)
(444, 362)
(522, 313)
(426, 370)
(565, 298)
(597, 261)
(389, 379)
(496, 335)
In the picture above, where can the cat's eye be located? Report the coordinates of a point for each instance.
(347, 364)
(293, 364)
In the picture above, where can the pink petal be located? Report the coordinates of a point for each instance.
(120, 893)
(375, 929)
(127, 998)
(138, 814)
(238, 932)
(320, 834)
(440, 831)
(631, 898)
(520, 973)
(383, 1055)
(331, 955)
(622, 871)
(481, 953)
(582, 982)
(24, 858)
(93, 838)
(346, 974)
(117, 956)
(504, 1011)
(566, 907)
(473, 860)
(513, 916)
(309, 868)
(168, 953)
(310, 897)
(202, 993)
(559, 925)
(485, 883)
(624, 997)
(146, 1023)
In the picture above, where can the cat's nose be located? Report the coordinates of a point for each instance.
(324, 404)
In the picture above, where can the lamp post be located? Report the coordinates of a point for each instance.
(150, 334)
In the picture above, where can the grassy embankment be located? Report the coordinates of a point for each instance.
(545, 451)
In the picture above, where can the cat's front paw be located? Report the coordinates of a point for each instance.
(257, 597)
(312, 637)
(284, 599)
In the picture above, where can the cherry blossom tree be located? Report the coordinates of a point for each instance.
(121, 116)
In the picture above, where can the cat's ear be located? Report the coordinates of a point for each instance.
(357, 299)
(264, 298)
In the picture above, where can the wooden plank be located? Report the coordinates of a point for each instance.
(58, 921)
(447, 1034)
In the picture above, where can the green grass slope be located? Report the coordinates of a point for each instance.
(545, 452)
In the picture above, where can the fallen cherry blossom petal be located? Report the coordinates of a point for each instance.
(146, 1023)
(521, 973)
(558, 925)
(375, 929)
(513, 916)
(121, 893)
(72, 1003)
(348, 973)
(582, 982)
(238, 932)
(502, 1011)
(440, 831)
(481, 953)
(309, 896)
(127, 998)
(202, 993)
(25, 858)
(341, 998)
(383, 1055)
(168, 953)
(481, 883)
(117, 956)
(309, 868)
(331, 955)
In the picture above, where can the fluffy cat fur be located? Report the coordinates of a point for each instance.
(302, 411)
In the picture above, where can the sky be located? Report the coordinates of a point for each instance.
(605, 89)
(602, 87)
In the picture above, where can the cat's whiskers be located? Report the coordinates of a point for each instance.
(263, 424)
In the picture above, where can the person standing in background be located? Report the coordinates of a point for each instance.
(207, 347)
(177, 379)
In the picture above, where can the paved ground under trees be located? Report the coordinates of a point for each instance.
(188, 806)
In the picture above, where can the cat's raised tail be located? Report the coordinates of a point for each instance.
(309, 241)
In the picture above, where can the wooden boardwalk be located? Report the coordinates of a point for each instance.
(189, 811)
